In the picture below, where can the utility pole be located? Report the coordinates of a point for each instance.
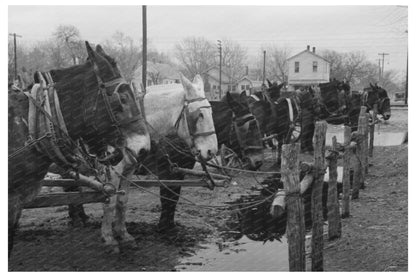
(144, 48)
(220, 48)
(382, 61)
(264, 67)
(407, 79)
(379, 70)
(14, 35)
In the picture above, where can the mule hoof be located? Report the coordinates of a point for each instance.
(129, 244)
(167, 227)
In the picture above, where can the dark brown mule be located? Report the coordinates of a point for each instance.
(97, 106)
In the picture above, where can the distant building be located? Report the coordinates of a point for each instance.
(307, 68)
(211, 78)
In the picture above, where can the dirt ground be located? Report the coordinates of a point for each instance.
(374, 238)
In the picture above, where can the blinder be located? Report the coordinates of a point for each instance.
(244, 125)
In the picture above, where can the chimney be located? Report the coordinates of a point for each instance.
(313, 49)
(246, 70)
(308, 48)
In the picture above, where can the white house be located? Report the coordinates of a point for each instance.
(212, 83)
(307, 68)
(159, 73)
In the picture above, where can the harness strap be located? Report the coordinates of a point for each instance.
(289, 103)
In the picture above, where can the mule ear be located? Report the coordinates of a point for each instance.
(187, 85)
(371, 85)
(198, 82)
(100, 50)
(91, 53)
(269, 83)
(281, 85)
(231, 102)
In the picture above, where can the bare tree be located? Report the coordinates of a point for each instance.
(276, 62)
(195, 55)
(234, 59)
(336, 62)
(128, 55)
(69, 36)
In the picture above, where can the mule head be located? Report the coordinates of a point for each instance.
(247, 131)
(202, 137)
(378, 95)
(128, 115)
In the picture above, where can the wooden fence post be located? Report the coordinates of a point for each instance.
(295, 217)
(372, 129)
(334, 220)
(359, 168)
(365, 150)
(346, 185)
(317, 220)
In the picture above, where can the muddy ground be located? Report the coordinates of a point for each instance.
(374, 238)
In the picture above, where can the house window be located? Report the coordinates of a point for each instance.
(214, 87)
(234, 88)
(296, 67)
(315, 66)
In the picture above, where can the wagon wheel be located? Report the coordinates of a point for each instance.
(229, 158)
(296, 130)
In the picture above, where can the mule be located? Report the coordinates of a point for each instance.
(238, 129)
(276, 115)
(179, 117)
(97, 106)
(376, 95)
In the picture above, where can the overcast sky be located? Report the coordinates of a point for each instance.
(373, 29)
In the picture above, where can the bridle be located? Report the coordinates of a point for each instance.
(380, 100)
(238, 123)
(111, 98)
(191, 118)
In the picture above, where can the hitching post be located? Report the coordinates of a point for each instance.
(346, 185)
(295, 217)
(334, 220)
(372, 128)
(317, 220)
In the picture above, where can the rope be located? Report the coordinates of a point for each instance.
(191, 203)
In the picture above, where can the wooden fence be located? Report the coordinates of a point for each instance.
(354, 153)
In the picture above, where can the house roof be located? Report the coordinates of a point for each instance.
(214, 73)
(310, 52)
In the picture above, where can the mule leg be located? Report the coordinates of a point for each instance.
(169, 199)
(121, 208)
(15, 211)
(106, 225)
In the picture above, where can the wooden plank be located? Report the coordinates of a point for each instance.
(317, 220)
(65, 198)
(334, 219)
(142, 183)
(177, 183)
(295, 217)
(346, 185)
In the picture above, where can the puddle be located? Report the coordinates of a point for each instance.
(250, 239)
(380, 138)
(241, 255)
